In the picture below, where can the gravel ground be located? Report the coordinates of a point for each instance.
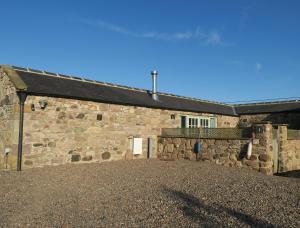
(148, 194)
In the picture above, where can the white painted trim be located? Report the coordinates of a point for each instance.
(208, 118)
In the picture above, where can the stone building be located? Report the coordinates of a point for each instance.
(52, 119)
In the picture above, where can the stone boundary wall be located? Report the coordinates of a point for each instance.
(228, 152)
(224, 152)
(289, 153)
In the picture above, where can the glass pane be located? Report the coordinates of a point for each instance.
(213, 122)
(183, 122)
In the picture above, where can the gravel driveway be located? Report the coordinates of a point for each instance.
(148, 194)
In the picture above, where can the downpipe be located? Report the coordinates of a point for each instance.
(22, 99)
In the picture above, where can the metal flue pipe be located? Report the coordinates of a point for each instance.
(154, 74)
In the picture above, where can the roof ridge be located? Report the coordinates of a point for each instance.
(267, 103)
(82, 79)
(76, 78)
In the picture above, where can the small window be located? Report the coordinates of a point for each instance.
(32, 107)
(99, 117)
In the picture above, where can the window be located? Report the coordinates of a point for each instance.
(193, 122)
(213, 122)
(198, 121)
(204, 122)
(99, 117)
(183, 121)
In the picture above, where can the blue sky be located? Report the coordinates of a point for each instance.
(210, 49)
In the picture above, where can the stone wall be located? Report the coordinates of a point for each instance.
(228, 152)
(262, 150)
(291, 160)
(289, 153)
(8, 121)
(293, 155)
(292, 119)
(74, 131)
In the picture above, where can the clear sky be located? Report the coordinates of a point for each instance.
(210, 49)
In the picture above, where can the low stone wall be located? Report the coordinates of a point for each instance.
(228, 152)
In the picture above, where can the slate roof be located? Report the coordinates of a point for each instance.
(57, 85)
(42, 83)
(270, 107)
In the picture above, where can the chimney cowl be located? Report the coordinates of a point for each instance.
(154, 73)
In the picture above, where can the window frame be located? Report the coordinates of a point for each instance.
(192, 121)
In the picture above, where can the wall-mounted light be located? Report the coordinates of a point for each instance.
(173, 116)
(32, 107)
(43, 104)
(6, 151)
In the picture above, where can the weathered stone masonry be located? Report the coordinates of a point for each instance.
(8, 121)
(228, 152)
(289, 151)
(221, 151)
(72, 130)
(232, 152)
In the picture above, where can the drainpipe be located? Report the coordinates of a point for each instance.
(22, 98)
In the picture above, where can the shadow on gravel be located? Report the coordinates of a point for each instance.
(294, 174)
(211, 215)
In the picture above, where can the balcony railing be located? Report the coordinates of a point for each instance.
(208, 133)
